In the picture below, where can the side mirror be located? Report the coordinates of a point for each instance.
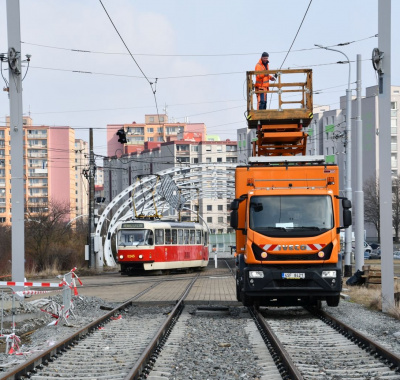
(234, 219)
(346, 204)
(235, 205)
(347, 217)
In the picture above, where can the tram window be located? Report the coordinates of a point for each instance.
(174, 236)
(159, 237)
(186, 236)
(198, 237)
(167, 236)
(205, 238)
(192, 237)
(180, 236)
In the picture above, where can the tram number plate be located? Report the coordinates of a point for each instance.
(293, 276)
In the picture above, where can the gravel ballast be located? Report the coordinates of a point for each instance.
(226, 355)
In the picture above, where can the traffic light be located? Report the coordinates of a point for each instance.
(121, 136)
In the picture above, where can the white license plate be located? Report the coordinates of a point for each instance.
(293, 276)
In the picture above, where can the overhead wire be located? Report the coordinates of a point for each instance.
(185, 55)
(298, 30)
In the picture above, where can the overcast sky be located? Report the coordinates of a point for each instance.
(198, 50)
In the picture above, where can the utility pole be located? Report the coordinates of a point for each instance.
(381, 59)
(359, 193)
(348, 190)
(17, 140)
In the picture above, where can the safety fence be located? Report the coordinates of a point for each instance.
(60, 312)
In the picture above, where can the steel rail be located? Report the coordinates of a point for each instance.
(28, 367)
(140, 366)
(360, 339)
(286, 366)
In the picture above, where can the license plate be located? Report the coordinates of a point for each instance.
(293, 276)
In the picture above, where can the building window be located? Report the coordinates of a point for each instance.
(208, 160)
(209, 207)
(195, 160)
(150, 130)
(195, 148)
(219, 148)
(162, 118)
(220, 208)
(220, 219)
(182, 148)
(208, 148)
(151, 119)
(219, 159)
(209, 219)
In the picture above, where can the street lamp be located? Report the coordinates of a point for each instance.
(348, 190)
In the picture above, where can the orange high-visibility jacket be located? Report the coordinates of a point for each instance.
(262, 81)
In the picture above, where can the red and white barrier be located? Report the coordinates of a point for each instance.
(36, 284)
(32, 292)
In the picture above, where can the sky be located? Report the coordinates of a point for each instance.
(81, 74)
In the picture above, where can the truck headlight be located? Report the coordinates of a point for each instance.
(256, 274)
(329, 273)
(121, 256)
(140, 256)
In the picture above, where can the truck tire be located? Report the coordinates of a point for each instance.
(332, 301)
(246, 300)
(238, 293)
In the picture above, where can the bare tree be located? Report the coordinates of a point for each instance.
(43, 230)
(371, 203)
(396, 206)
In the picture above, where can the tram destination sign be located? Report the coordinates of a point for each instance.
(170, 192)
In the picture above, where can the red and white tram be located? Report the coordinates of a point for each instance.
(146, 245)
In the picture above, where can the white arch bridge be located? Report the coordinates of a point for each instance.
(155, 193)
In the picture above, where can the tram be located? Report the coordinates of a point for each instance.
(161, 245)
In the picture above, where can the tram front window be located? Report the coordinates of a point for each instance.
(135, 237)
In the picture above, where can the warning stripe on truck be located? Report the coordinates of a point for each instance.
(292, 247)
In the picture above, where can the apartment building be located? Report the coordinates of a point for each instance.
(188, 150)
(49, 160)
(330, 138)
(156, 128)
(81, 181)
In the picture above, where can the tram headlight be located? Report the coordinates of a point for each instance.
(328, 274)
(121, 256)
(140, 256)
(256, 274)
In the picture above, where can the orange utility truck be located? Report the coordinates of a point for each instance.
(287, 207)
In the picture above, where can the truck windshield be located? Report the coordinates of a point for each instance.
(134, 237)
(293, 215)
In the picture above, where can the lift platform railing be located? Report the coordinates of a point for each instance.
(292, 97)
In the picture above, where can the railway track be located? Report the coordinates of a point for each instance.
(311, 344)
(212, 341)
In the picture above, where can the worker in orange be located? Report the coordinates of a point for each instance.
(262, 81)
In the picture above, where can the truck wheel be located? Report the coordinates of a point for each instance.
(333, 301)
(238, 293)
(246, 300)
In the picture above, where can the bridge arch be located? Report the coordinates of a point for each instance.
(200, 181)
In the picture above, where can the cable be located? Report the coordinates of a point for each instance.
(186, 55)
(298, 30)
(105, 10)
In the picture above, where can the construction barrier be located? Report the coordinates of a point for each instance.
(59, 312)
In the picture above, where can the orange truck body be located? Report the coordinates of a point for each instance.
(298, 250)
(286, 212)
